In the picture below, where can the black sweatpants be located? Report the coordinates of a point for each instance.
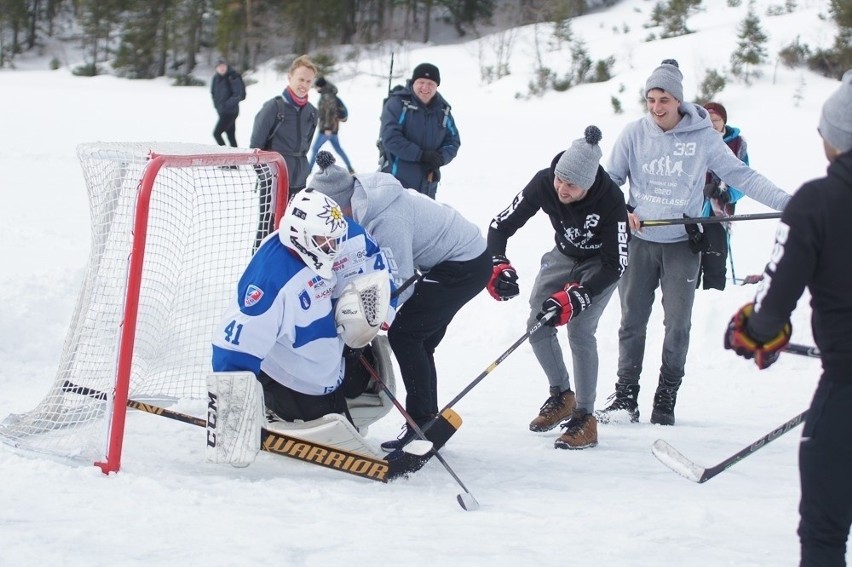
(227, 124)
(825, 468)
(422, 322)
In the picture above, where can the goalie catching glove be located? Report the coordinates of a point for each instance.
(564, 305)
(737, 339)
(364, 305)
(503, 284)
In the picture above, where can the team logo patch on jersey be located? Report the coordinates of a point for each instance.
(305, 300)
(253, 295)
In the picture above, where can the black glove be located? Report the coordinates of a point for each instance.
(697, 242)
(432, 159)
(565, 304)
(503, 284)
(737, 339)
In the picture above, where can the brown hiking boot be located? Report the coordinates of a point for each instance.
(556, 408)
(581, 432)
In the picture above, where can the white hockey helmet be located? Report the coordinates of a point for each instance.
(313, 226)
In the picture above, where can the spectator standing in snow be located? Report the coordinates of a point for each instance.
(812, 250)
(665, 155)
(720, 201)
(227, 89)
(329, 123)
(418, 132)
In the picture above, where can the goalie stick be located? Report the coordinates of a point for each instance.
(279, 443)
(687, 468)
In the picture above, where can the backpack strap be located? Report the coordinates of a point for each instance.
(279, 118)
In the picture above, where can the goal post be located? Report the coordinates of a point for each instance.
(173, 227)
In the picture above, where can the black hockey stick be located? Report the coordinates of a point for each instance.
(708, 220)
(465, 500)
(362, 466)
(803, 350)
(494, 364)
(675, 460)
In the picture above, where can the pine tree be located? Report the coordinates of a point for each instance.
(751, 48)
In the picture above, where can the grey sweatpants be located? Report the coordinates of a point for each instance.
(557, 270)
(673, 268)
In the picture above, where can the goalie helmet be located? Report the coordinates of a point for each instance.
(313, 226)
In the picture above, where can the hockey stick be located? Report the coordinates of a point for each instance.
(466, 500)
(803, 350)
(282, 444)
(494, 364)
(709, 220)
(675, 460)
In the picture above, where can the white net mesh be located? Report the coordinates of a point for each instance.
(202, 227)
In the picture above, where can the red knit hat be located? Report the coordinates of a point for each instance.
(717, 108)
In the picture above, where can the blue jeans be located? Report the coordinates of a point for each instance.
(322, 138)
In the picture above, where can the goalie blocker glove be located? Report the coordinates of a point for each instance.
(737, 339)
(565, 304)
(503, 284)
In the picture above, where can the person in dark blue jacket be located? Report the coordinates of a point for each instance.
(227, 89)
(418, 132)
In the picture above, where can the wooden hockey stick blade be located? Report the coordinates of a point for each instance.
(419, 447)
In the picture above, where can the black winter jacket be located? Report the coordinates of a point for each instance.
(227, 91)
(812, 249)
(594, 226)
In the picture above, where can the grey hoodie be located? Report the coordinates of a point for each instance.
(667, 170)
(414, 231)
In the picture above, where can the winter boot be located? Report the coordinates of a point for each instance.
(556, 408)
(664, 402)
(581, 432)
(624, 405)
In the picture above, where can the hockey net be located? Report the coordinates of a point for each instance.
(173, 228)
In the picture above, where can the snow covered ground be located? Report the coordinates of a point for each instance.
(611, 505)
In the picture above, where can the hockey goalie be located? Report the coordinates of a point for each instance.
(287, 353)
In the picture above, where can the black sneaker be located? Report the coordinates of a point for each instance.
(624, 405)
(405, 437)
(664, 403)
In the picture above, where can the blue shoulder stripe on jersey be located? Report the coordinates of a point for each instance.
(270, 269)
(225, 360)
(324, 328)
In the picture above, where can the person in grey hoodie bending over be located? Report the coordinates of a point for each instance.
(415, 233)
(665, 155)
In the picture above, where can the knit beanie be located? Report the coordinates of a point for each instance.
(320, 82)
(668, 78)
(718, 109)
(426, 71)
(579, 163)
(333, 181)
(835, 124)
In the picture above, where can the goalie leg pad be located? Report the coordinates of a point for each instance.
(235, 415)
(374, 404)
(332, 430)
